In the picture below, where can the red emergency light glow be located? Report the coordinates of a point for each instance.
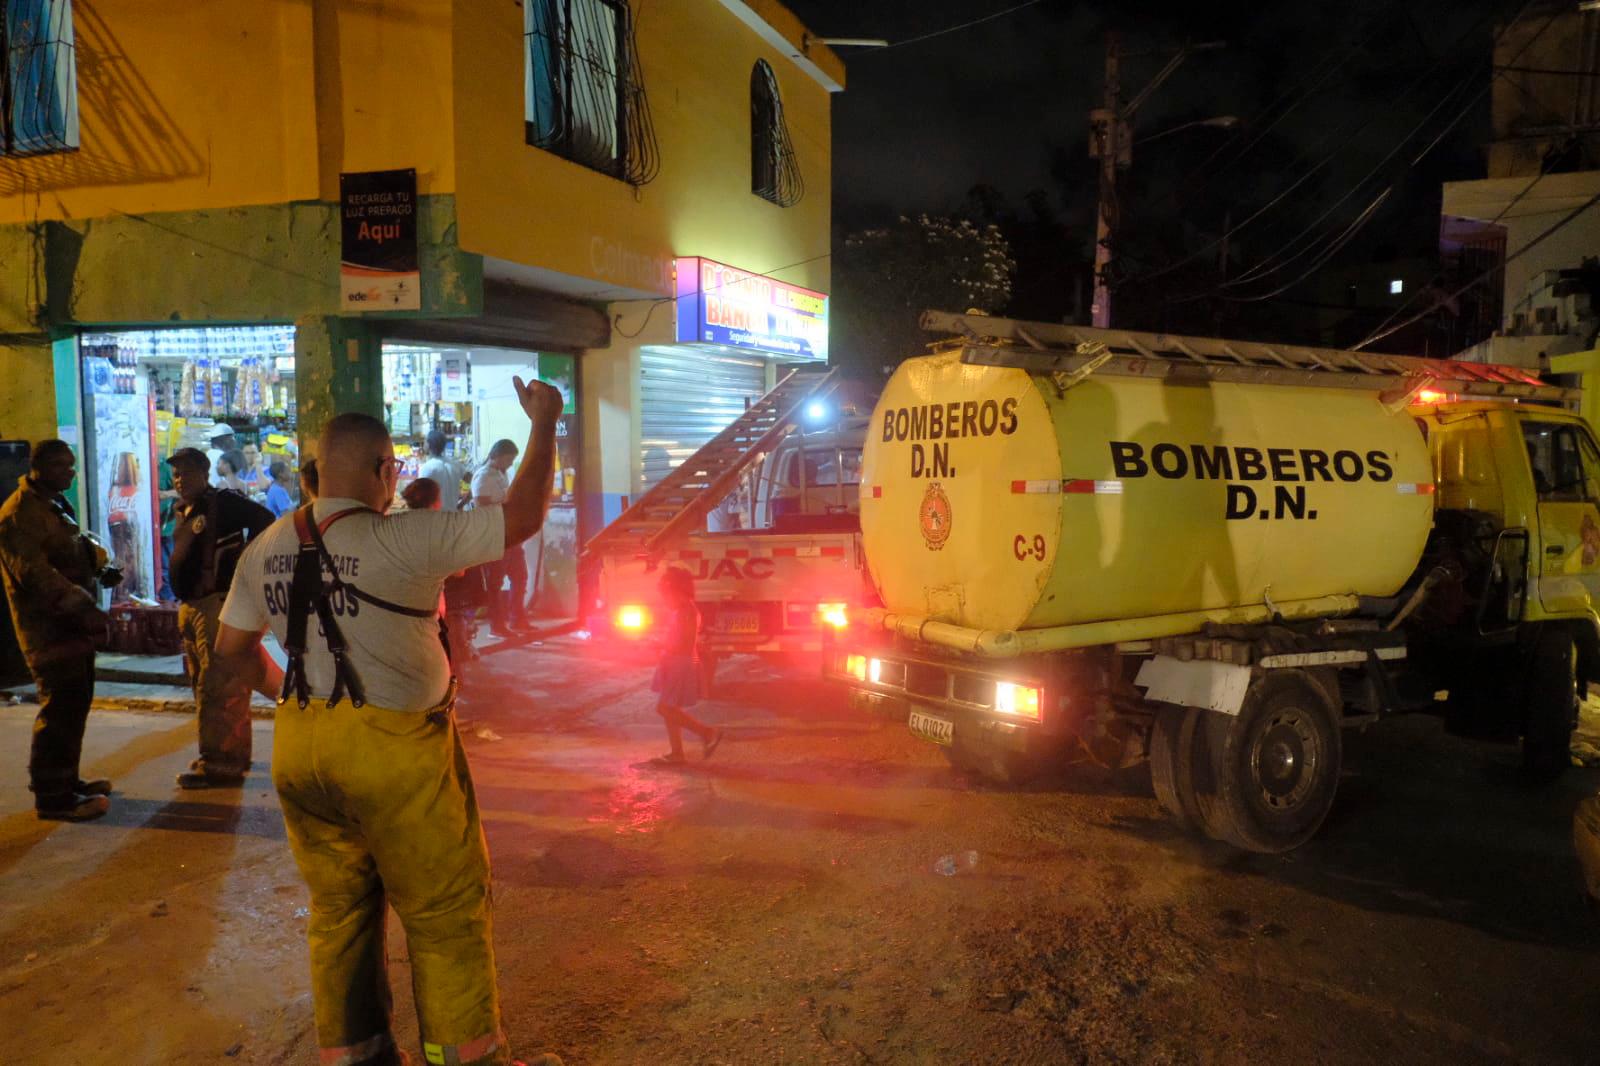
(836, 615)
(632, 618)
(856, 666)
(1430, 396)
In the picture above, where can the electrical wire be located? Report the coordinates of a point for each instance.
(1262, 270)
(1333, 249)
(1258, 130)
(1570, 216)
(1422, 291)
(1335, 154)
(658, 301)
(953, 29)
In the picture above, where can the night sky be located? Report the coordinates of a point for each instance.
(1351, 93)
(920, 123)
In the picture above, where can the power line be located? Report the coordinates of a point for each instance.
(1258, 131)
(1335, 154)
(1259, 272)
(1397, 312)
(751, 275)
(1333, 249)
(1574, 213)
(955, 29)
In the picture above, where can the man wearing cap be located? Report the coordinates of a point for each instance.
(210, 528)
(50, 571)
(221, 440)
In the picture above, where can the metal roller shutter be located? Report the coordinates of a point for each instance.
(686, 397)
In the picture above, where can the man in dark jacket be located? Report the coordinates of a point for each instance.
(210, 531)
(50, 571)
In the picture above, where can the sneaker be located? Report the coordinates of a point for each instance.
(204, 779)
(99, 786)
(74, 808)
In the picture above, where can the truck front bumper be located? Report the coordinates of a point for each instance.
(945, 703)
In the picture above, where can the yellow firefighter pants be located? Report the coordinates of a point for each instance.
(221, 699)
(379, 807)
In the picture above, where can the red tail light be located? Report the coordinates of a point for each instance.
(632, 618)
(836, 615)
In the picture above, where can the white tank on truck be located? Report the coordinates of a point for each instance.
(1020, 505)
(1217, 555)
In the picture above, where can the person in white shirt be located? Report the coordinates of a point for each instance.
(376, 793)
(222, 440)
(447, 472)
(489, 483)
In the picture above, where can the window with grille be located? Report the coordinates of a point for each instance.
(774, 172)
(583, 89)
(39, 90)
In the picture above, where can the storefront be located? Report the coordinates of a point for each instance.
(466, 393)
(147, 393)
(736, 333)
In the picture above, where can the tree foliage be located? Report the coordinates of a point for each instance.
(886, 276)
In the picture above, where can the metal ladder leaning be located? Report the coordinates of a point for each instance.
(678, 503)
(1075, 352)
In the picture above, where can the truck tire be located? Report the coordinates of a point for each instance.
(1265, 778)
(1169, 768)
(1552, 706)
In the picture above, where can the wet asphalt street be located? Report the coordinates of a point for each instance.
(784, 902)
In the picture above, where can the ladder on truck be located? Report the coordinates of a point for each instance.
(1072, 353)
(679, 502)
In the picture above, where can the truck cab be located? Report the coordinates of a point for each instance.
(1518, 518)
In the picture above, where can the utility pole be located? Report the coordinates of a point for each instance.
(1107, 141)
(1111, 141)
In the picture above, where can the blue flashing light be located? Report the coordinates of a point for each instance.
(816, 410)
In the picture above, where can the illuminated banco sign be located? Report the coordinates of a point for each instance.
(720, 304)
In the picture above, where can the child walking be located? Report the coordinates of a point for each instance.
(677, 677)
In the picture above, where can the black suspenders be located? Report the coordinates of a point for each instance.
(315, 579)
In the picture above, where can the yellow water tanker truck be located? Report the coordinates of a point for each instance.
(1218, 555)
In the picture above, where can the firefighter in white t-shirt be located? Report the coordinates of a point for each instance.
(376, 793)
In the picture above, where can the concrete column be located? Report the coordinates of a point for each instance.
(338, 367)
(27, 381)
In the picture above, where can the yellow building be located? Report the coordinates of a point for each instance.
(272, 210)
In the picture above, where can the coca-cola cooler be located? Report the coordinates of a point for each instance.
(121, 484)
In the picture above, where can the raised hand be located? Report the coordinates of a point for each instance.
(540, 402)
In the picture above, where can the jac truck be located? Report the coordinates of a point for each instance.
(765, 518)
(1218, 556)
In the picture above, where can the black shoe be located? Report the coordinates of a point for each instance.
(202, 779)
(99, 786)
(73, 808)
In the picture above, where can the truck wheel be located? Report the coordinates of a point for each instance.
(1552, 707)
(1271, 770)
(1169, 776)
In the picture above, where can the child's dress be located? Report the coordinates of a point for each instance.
(677, 676)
